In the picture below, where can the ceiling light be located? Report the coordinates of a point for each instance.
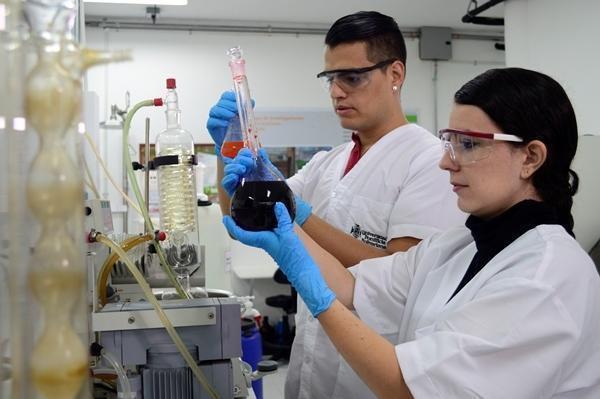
(152, 2)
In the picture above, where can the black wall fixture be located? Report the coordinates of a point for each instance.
(472, 13)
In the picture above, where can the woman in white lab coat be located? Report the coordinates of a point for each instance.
(507, 306)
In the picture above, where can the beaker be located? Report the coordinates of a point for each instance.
(252, 203)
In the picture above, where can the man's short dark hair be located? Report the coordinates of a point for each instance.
(380, 33)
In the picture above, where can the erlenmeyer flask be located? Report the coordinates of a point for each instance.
(234, 139)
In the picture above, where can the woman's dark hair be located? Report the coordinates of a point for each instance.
(533, 106)
(380, 33)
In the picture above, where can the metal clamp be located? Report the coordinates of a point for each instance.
(165, 160)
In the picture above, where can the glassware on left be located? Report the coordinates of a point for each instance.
(57, 274)
(175, 162)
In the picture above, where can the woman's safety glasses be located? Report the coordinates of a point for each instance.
(466, 147)
(350, 79)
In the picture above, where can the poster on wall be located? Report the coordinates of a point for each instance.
(296, 127)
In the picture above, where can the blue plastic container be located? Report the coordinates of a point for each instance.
(252, 351)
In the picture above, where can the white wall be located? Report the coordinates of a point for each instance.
(587, 199)
(281, 71)
(560, 38)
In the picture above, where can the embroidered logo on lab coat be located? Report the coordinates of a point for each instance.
(367, 237)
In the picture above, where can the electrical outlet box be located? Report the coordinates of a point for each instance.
(435, 43)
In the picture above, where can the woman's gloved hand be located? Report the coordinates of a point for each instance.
(219, 117)
(289, 253)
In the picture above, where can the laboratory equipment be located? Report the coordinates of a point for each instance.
(252, 350)
(170, 366)
(207, 327)
(237, 64)
(205, 332)
(252, 202)
(47, 272)
(157, 248)
(175, 162)
(234, 139)
(13, 319)
(54, 187)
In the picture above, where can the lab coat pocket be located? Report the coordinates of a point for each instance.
(369, 220)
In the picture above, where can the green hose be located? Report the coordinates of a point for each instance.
(161, 256)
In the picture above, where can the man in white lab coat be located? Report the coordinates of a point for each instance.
(377, 195)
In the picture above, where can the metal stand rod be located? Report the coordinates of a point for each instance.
(147, 171)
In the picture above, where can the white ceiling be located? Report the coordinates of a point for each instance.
(408, 13)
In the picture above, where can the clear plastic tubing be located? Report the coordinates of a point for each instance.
(242, 95)
(123, 380)
(161, 313)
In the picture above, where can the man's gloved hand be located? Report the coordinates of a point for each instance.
(242, 165)
(289, 253)
(219, 117)
(235, 170)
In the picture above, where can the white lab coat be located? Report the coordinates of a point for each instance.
(396, 189)
(526, 326)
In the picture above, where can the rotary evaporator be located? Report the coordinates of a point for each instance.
(187, 344)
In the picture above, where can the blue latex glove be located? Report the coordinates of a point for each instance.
(236, 169)
(289, 253)
(219, 117)
(303, 210)
(241, 166)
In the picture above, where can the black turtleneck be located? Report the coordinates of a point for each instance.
(493, 235)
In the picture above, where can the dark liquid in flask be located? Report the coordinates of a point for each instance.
(252, 204)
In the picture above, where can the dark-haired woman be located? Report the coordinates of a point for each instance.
(506, 307)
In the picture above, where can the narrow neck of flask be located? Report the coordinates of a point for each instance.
(173, 118)
(173, 113)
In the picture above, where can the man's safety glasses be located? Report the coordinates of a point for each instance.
(466, 147)
(350, 79)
